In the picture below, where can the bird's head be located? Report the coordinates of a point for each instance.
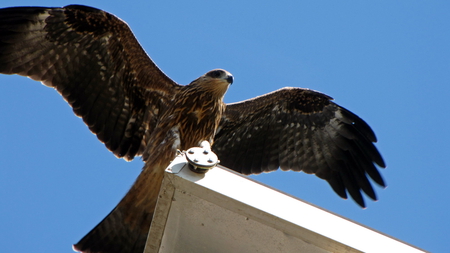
(221, 75)
(216, 81)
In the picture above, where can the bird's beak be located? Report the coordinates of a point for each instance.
(230, 79)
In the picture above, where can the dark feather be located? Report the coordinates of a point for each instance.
(94, 61)
(300, 130)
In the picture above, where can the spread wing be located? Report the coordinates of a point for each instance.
(300, 130)
(94, 61)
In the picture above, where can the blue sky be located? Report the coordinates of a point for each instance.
(387, 61)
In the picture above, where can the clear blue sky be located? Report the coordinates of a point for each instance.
(387, 61)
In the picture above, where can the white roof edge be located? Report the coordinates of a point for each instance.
(222, 186)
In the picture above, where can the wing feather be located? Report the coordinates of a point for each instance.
(284, 144)
(94, 61)
(301, 130)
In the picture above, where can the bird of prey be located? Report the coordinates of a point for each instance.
(94, 61)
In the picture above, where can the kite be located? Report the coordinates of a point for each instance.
(94, 61)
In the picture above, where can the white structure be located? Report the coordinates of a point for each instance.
(222, 212)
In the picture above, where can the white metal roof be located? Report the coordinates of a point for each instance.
(222, 211)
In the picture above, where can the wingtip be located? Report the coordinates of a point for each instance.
(74, 248)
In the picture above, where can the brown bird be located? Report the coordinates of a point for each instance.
(94, 61)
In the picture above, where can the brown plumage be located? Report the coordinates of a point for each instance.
(193, 117)
(93, 60)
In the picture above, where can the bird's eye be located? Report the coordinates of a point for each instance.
(216, 73)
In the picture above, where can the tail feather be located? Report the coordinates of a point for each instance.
(125, 229)
(111, 235)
